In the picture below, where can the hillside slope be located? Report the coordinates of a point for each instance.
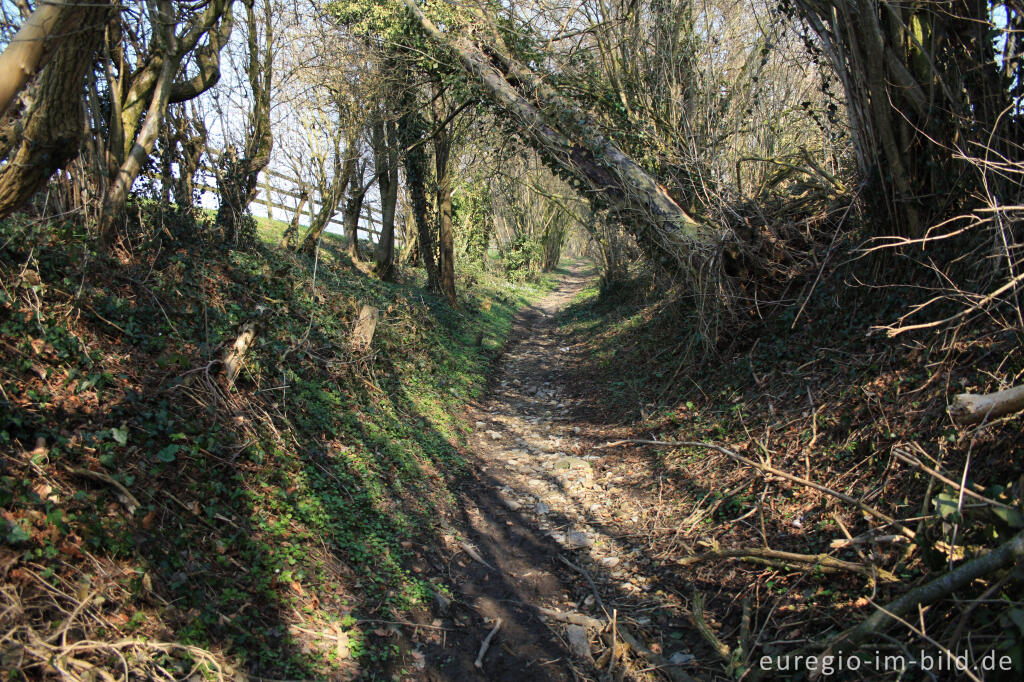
(158, 521)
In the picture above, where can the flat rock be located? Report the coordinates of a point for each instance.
(542, 508)
(494, 435)
(579, 643)
(577, 539)
(572, 463)
(514, 505)
(679, 658)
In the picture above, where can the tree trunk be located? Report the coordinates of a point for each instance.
(385, 159)
(145, 94)
(410, 240)
(922, 84)
(44, 32)
(117, 193)
(445, 245)
(239, 179)
(343, 174)
(51, 129)
(293, 227)
(350, 218)
(554, 237)
(412, 126)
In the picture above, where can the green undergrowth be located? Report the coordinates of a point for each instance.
(246, 520)
(819, 397)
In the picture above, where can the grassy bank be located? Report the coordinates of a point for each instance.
(272, 527)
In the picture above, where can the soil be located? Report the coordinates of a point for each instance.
(538, 500)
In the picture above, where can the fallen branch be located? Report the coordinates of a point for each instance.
(867, 509)
(234, 356)
(572, 617)
(840, 543)
(479, 662)
(1005, 555)
(127, 499)
(824, 561)
(593, 586)
(971, 408)
(697, 616)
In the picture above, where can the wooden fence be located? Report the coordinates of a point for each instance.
(275, 185)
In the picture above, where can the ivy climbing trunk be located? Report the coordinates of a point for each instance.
(238, 177)
(446, 241)
(412, 127)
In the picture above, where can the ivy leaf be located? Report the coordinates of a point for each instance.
(1012, 517)
(120, 435)
(168, 454)
(945, 505)
(16, 534)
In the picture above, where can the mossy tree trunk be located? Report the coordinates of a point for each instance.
(46, 136)
(385, 155)
(446, 239)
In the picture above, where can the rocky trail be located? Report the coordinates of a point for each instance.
(546, 542)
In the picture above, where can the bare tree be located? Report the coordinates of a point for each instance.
(238, 170)
(143, 69)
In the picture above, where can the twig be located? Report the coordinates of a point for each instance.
(593, 587)
(475, 555)
(127, 499)
(915, 462)
(1005, 555)
(823, 561)
(479, 662)
(611, 664)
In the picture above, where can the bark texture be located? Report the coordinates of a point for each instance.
(47, 136)
(385, 154)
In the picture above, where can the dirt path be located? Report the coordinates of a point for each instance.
(535, 502)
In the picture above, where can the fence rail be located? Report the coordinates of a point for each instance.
(369, 217)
